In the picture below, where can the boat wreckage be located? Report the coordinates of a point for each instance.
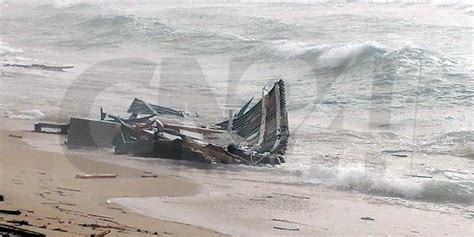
(255, 135)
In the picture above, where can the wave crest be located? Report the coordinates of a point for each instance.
(6, 50)
(357, 178)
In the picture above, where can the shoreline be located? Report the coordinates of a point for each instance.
(190, 201)
(42, 185)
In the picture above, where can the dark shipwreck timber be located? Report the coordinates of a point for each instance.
(258, 135)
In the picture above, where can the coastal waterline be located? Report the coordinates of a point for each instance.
(353, 73)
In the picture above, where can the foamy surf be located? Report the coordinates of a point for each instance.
(6, 50)
(33, 114)
(358, 178)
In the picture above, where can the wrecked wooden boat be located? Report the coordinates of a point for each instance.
(256, 135)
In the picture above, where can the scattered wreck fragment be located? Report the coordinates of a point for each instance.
(258, 135)
(39, 67)
(10, 230)
(52, 128)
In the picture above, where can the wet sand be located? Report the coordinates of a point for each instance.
(42, 185)
(231, 201)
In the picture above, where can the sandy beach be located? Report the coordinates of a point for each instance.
(42, 185)
(380, 135)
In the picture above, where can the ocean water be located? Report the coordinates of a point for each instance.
(376, 91)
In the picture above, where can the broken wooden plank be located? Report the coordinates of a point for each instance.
(59, 203)
(101, 234)
(15, 136)
(39, 66)
(103, 226)
(95, 215)
(287, 229)
(291, 222)
(10, 212)
(95, 176)
(54, 128)
(22, 222)
(69, 189)
(149, 176)
(8, 230)
(293, 196)
(59, 230)
(193, 128)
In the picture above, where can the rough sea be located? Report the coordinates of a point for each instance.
(380, 95)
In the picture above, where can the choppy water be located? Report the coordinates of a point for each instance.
(358, 75)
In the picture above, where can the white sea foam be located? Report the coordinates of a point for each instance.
(33, 114)
(357, 178)
(7, 50)
(291, 49)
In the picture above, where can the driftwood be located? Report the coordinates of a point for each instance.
(69, 189)
(149, 176)
(101, 234)
(95, 176)
(8, 230)
(39, 66)
(291, 195)
(15, 136)
(367, 218)
(59, 203)
(59, 229)
(103, 226)
(10, 212)
(22, 222)
(287, 229)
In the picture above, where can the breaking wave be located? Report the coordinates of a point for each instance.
(33, 114)
(6, 50)
(459, 143)
(357, 178)
(285, 49)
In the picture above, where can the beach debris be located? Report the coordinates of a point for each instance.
(367, 218)
(10, 212)
(15, 136)
(91, 133)
(59, 229)
(19, 223)
(92, 225)
(287, 229)
(101, 216)
(39, 67)
(69, 189)
(291, 222)
(95, 176)
(8, 230)
(141, 107)
(101, 234)
(59, 203)
(149, 176)
(2, 198)
(419, 176)
(256, 135)
(258, 199)
(53, 128)
(399, 155)
(292, 196)
(115, 208)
